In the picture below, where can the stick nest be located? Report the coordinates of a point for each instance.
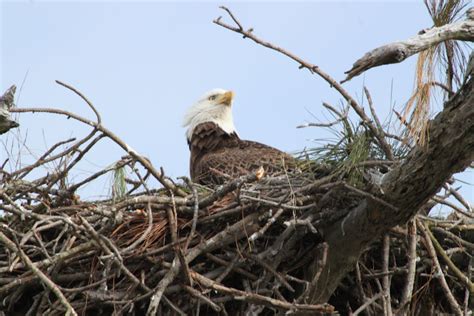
(245, 247)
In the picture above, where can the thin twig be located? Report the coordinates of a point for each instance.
(313, 69)
(28, 263)
(438, 271)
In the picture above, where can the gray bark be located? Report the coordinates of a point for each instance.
(407, 187)
(399, 51)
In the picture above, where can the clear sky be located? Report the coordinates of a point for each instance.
(143, 63)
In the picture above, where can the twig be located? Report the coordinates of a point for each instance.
(260, 299)
(28, 263)
(313, 69)
(195, 212)
(173, 225)
(412, 259)
(270, 269)
(269, 223)
(322, 253)
(367, 303)
(341, 117)
(83, 97)
(463, 278)
(386, 277)
(231, 186)
(230, 234)
(202, 298)
(374, 115)
(144, 161)
(438, 271)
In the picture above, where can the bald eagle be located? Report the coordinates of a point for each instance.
(217, 152)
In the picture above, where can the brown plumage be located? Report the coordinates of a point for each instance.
(217, 152)
(217, 156)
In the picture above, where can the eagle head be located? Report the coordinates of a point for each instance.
(214, 106)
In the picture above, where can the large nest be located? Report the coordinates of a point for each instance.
(243, 248)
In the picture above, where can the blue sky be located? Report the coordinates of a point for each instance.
(142, 64)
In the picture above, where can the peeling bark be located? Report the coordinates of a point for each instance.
(399, 51)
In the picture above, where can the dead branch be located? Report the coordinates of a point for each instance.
(399, 51)
(314, 70)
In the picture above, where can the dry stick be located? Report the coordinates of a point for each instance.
(195, 212)
(270, 269)
(453, 206)
(16, 209)
(412, 258)
(386, 277)
(456, 239)
(89, 103)
(120, 164)
(461, 276)
(443, 86)
(313, 69)
(467, 295)
(341, 117)
(439, 272)
(28, 263)
(174, 307)
(231, 186)
(202, 298)
(260, 299)
(398, 51)
(458, 197)
(277, 204)
(372, 111)
(61, 174)
(369, 196)
(144, 161)
(173, 225)
(322, 255)
(367, 303)
(269, 223)
(359, 283)
(230, 234)
(231, 266)
(56, 258)
(106, 245)
(41, 160)
(144, 199)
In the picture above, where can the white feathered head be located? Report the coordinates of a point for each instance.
(214, 106)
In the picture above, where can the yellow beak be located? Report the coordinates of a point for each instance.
(226, 98)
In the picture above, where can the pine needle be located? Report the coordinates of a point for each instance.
(448, 57)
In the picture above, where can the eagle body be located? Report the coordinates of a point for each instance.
(217, 152)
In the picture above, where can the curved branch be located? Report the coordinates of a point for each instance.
(399, 51)
(314, 70)
(143, 160)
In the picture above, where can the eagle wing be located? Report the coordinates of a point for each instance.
(241, 158)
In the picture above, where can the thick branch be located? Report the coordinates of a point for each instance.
(407, 187)
(399, 51)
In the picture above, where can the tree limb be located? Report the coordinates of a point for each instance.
(407, 187)
(399, 51)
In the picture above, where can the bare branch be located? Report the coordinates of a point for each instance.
(399, 51)
(314, 70)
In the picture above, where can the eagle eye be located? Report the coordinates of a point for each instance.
(213, 97)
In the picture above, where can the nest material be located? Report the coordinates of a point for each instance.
(242, 249)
